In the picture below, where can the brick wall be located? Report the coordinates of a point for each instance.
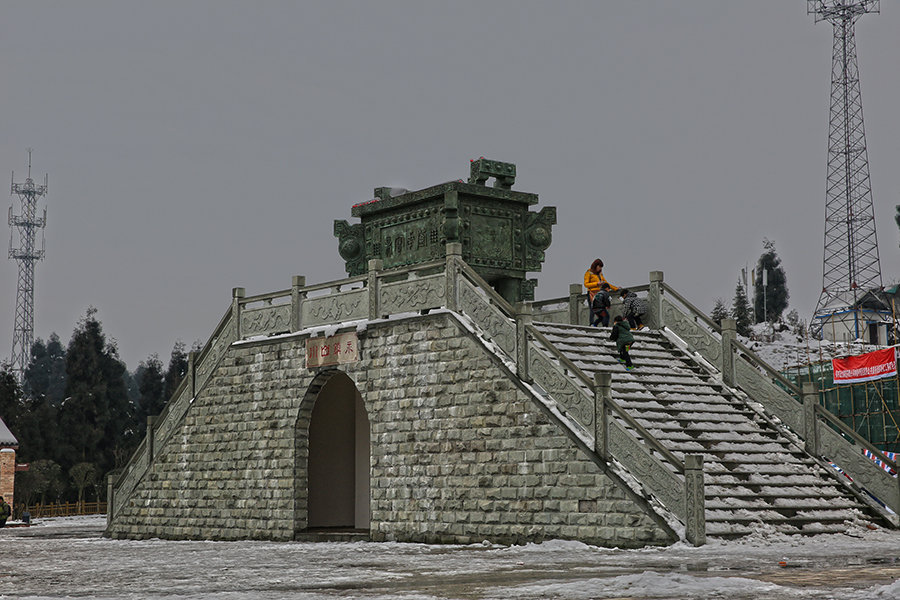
(458, 452)
(7, 474)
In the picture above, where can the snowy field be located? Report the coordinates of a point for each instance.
(67, 558)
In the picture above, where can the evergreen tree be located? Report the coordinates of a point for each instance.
(740, 310)
(719, 312)
(96, 416)
(11, 406)
(178, 366)
(45, 376)
(152, 386)
(771, 301)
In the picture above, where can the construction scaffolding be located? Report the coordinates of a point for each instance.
(870, 408)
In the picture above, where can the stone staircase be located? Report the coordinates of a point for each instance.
(754, 474)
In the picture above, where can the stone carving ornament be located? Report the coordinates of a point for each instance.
(497, 327)
(419, 294)
(267, 320)
(697, 338)
(865, 472)
(560, 387)
(773, 398)
(334, 309)
(660, 480)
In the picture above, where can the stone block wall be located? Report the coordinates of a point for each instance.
(459, 453)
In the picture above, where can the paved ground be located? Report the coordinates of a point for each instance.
(68, 558)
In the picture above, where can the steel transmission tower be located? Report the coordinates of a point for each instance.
(26, 254)
(851, 266)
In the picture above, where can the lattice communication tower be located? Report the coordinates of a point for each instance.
(26, 253)
(851, 266)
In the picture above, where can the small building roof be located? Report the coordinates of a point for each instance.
(7, 439)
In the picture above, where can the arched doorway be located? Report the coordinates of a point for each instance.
(337, 455)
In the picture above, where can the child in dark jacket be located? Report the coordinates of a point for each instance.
(600, 306)
(621, 334)
(634, 308)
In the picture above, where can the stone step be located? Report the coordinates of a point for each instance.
(753, 474)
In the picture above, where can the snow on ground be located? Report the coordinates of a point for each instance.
(63, 558)
(784, 349)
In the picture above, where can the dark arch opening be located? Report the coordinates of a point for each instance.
(338, 462)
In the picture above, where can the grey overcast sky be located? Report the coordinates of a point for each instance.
(196, 146)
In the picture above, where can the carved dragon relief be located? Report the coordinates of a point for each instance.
(697, 338)
(495, 325)
(413, 295)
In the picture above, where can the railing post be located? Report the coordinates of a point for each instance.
(151, 423)
(375, 265)
(524, 315)
(729, 334)
(574, 304)
(602, 392)
(192, 373)
(454, 253)
(810, 394)
(237, 294)
(694, 500)
(654, 298)
(110, 492)
(297, 298)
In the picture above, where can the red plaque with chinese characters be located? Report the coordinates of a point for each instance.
(338, 349)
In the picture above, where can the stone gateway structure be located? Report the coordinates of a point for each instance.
(415, 403)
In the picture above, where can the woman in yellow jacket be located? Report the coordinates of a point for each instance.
(593, 277)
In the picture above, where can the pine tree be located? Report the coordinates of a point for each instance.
(11, 406)
(719, 312)
(740, 310)
(152, 387)
(45, 376)
(178, 366)
(771, 301)
(96, 417)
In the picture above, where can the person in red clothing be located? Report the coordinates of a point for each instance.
(593, 277)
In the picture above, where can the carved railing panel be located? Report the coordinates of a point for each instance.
(774, 399)
(134, 471)
(495, 324)
(266, 320)
(561, 387)
(862, 469)
(696, 336)
(652, 473)
(413, 294)
(216, 349)
(336, 308)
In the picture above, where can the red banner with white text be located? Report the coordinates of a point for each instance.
(865, 367)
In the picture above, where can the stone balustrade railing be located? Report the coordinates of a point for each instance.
(823, 433)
